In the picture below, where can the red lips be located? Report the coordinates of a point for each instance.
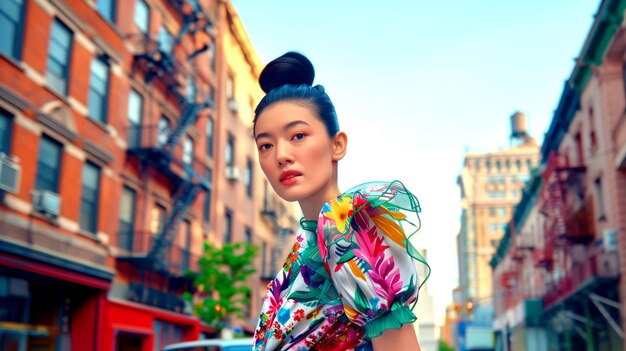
(289, 177)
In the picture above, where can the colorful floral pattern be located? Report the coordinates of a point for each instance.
(351, 280)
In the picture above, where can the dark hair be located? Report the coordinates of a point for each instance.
(290, 78)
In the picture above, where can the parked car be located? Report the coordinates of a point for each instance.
(212, 345)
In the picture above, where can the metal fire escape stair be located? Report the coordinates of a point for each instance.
(185, 195)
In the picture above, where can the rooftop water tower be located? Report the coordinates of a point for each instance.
(519, 133)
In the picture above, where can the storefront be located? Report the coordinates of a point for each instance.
(48, 303)
(132, 326)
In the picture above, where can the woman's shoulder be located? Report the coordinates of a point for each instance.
(390, 194)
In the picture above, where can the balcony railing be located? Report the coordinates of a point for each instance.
(147, 143)
(158, 298)
(153, 61)
(601, 266)
(137, 245)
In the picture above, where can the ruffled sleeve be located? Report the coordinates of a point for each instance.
(363, 239)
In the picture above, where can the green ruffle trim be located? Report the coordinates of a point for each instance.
(394, 319)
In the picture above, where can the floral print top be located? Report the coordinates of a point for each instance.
(349, 277)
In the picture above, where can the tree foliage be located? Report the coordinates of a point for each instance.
(444, 347)
(222, 282)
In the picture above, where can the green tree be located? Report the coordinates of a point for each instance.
(444, 347)
(222, 279)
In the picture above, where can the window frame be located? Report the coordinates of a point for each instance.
(249, 178)
(210, 136)
(132, 216)
(103, 117)
(6, 134)
(68, 60)
(228, 226)
(90, 224)
(134, 130)
(112, 8)
(57, 167)
(140, 25)
(16, 49)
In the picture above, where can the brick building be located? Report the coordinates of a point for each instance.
(561, 264)
(125, 133)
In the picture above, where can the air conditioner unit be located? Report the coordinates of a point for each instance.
(47, 202)
(9, 174)
(233, 105)
(233, 173)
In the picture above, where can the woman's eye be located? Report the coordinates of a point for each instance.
(264, 147)
(298, 136)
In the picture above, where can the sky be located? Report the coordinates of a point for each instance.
(417, 84)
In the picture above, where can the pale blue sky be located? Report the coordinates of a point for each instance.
(417, 83)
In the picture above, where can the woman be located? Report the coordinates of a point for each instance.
(350, 281)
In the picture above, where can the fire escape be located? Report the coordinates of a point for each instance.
(155, 147)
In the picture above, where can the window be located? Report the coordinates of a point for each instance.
(207, 196)
(503, 226)
(98, 90)
(59, 57)
(493, 227)
(498, 166)
(477, 165)
(142, 16)
(212, 56)
(230, 87)
(592, 131)
(488, 165)
(529, 164)
(248, 178)
(513, 179)
(48, 165)
(579, 150)
(11, 27)
(491, 194)
(166, 40)
(191, 89)
(228, 226)
(501, 194)
(518, 165)
(127, 218)
(248, 234)
(107, 9)
(209, 137)
(135, 111)
(163, 131)
(183, 244)
(157, 219)
(229, 156)
(6, 122)
(599, 198)
(501, 211)
(514, 193)
(188, 150)
(89, 198)
(507, 164)
(492, 212)
(166, 333)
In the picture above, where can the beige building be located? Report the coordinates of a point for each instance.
(490, 185)
(244, 195)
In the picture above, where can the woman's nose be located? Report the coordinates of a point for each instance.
(283, 154)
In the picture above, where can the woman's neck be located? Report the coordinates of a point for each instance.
(312, 205)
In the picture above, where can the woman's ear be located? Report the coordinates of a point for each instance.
(340, 145)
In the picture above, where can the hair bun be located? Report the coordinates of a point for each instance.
(290, 68)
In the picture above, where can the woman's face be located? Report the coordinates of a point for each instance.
(295, 151)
